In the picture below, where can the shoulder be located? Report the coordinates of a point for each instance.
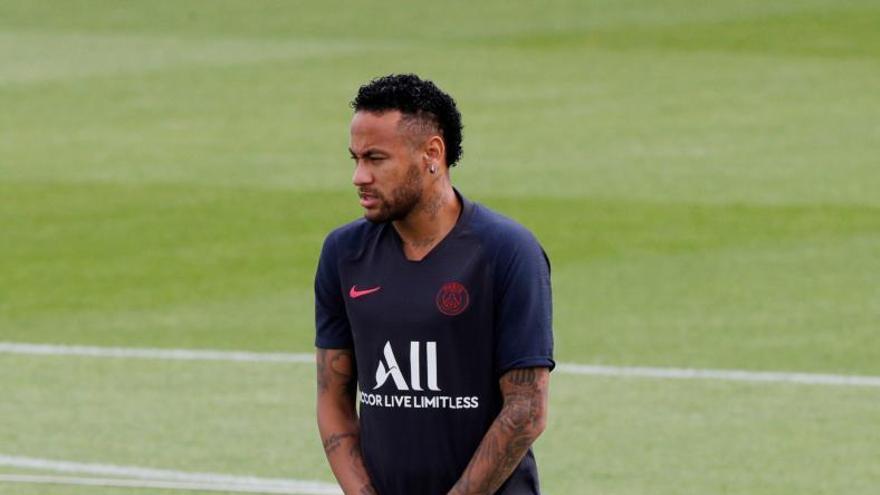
(511, 247)
(519, 263)
(349, 240)
(501, 235)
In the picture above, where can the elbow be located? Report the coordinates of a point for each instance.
(526, 419)
(538, 424)
(534, 428)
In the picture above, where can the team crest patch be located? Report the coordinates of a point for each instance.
(452, 299)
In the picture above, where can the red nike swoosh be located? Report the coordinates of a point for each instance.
(354, 293)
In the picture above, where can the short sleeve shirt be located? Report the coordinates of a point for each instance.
(431, 339)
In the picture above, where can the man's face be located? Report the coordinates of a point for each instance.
(387, 173)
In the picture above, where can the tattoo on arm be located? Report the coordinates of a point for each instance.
(337, 419)
(518, 424)
(323, 379)
(333, 442)
(348, 462)
(521, 376)
(336, 370)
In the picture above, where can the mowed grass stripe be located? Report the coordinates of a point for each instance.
(461, 19)
(643, 125)
(28, 57)
(673, 437)
(245, 421)
(845, 32)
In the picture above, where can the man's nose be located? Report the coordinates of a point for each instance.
(362, 176)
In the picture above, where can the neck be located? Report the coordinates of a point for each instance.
(429, 222)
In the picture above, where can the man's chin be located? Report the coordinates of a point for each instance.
(383, 215)
(375, 215)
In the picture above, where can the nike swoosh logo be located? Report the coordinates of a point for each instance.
(354, 293)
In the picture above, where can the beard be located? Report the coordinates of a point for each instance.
(402, 200)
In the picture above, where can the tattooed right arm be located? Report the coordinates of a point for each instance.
(338, 421)
(522, 418)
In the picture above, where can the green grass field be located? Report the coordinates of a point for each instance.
(705, 177)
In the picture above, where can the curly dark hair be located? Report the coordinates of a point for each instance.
(415, 98)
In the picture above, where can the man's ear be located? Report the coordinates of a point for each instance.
(435, 151)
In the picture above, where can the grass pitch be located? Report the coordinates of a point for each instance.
(703, 176)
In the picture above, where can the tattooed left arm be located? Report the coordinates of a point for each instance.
(521, 420)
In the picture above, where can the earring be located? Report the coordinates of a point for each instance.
(433, 168)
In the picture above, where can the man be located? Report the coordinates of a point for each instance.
(437, 308)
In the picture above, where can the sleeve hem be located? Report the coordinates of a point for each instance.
(333, 344)
(528, 362)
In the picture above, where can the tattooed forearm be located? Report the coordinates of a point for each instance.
(517, 426)
(333, 442)
(497, 456)
(338, 420)
(344, 453)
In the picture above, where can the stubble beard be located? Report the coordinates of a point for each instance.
(402, 201)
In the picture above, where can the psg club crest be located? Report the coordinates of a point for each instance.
(452, 299)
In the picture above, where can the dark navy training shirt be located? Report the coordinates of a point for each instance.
(431, 339)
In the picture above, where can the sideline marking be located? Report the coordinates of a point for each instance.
(141, 474)
(726, 375)
(150, 353)
(567, 368)
(141, 483)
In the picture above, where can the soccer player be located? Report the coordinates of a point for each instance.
(436, 308)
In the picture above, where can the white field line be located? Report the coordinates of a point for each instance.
(158, 484)
(147, 353)
(228, 482)
(567, 368)
(726, 375)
